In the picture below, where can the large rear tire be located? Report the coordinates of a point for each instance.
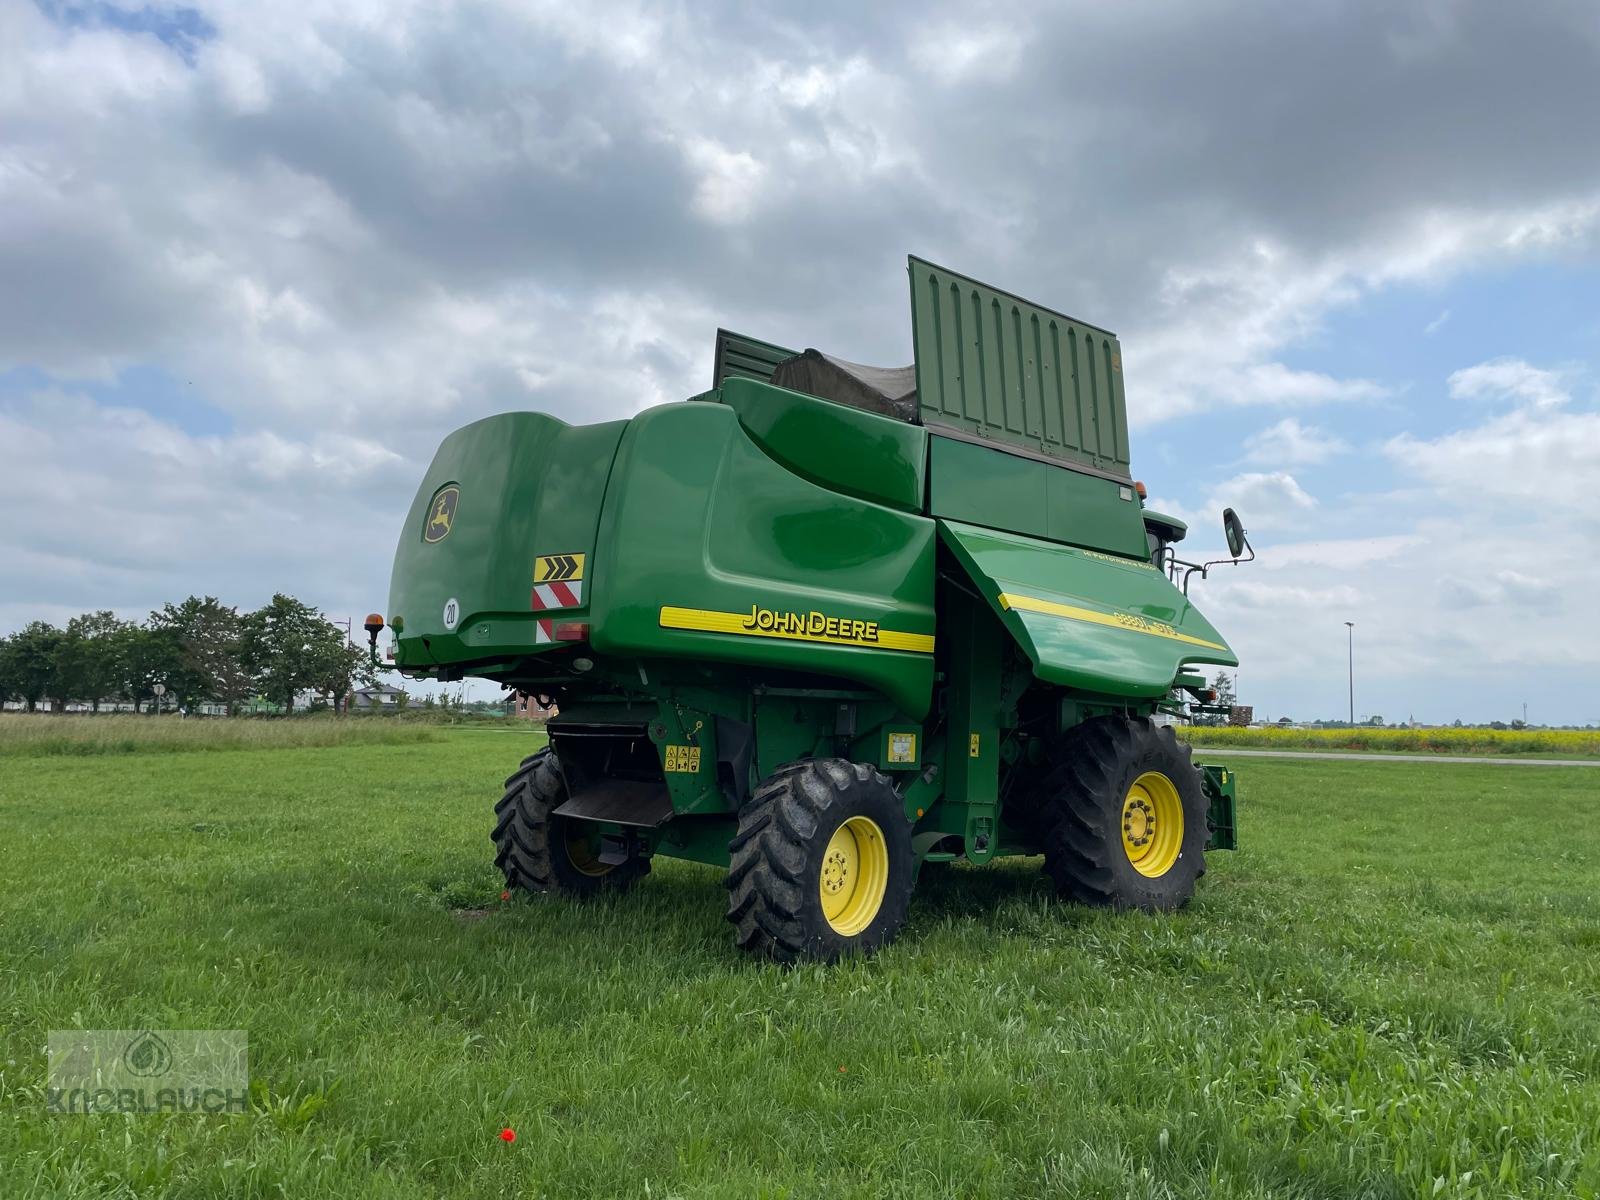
(542, 852)
(822, 864)
(1123, 816)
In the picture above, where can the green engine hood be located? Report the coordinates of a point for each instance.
(1092, 621)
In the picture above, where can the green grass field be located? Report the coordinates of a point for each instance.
(37, 735)
(1393, 990)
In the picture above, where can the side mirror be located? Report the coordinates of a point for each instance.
(1234, 532)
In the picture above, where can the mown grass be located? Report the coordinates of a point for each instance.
(24, 735)
(1393, 990)
(1549, 743)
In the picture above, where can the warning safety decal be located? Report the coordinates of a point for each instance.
(557, 584)
(551, 568)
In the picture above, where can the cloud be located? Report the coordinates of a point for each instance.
(1509, 379)
(348, 236)
(1345, 554)
(1438, 323)
(1501, 588)
(1536, 456)
(1290, 443)
(126, 510)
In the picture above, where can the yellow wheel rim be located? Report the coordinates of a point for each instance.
(1152, 824)
(855, 875)
(581, 853)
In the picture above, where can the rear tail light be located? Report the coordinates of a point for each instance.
(572, 631)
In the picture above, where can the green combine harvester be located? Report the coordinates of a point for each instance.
(825, 623)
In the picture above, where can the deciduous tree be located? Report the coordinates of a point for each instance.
(210, 656)
(88, 657)
(290, 647)
(33, 663)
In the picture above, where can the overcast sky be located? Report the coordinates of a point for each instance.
(256, 260)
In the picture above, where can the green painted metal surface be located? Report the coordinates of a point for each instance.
(741, 357)
(993, 366)
(1093, 622)
(528, 485)
(712, 551)
(1219, 785)
(844, 449)
(984, 485)
(972, 725)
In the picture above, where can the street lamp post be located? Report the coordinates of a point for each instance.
(1350, 634)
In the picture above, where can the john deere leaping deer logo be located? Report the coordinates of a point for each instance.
(441, 514)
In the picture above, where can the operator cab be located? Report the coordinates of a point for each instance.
(1162, 531)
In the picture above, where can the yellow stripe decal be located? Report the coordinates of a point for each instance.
(796, 627)
(1116, 620)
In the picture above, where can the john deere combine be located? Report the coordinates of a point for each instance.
(825, 623)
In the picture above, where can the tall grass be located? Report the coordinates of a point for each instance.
(1555, 743)
(25, 735)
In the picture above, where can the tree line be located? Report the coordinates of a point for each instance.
(201, 651)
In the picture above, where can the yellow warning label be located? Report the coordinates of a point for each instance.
(558, 568)
(902, 748)
(683, 760)
(972, 747)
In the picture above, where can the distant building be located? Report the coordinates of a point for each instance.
(529, 708)
(380, 697)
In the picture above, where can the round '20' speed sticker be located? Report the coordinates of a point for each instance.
(452, 613)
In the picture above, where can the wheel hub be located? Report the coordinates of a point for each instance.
(581, 852)
(1138, 821)
(1152, 824)
(835, 871)
(854, 875)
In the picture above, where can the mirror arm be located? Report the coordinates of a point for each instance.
(1205, 568)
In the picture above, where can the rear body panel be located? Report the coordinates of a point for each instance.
(528, 485)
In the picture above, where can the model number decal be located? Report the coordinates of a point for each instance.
(1117, 620)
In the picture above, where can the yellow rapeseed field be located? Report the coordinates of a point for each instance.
(1555, 743)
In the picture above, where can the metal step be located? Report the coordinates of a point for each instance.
(622, 802)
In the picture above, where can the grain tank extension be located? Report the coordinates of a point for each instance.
(825, 624)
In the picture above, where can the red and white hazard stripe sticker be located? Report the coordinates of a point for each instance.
(557, 595)
(544, 632)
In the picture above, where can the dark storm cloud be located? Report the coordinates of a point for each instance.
(1084, 155)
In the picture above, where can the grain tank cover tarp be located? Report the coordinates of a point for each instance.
(994, 367)
(887, 391)
(1087, 620)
